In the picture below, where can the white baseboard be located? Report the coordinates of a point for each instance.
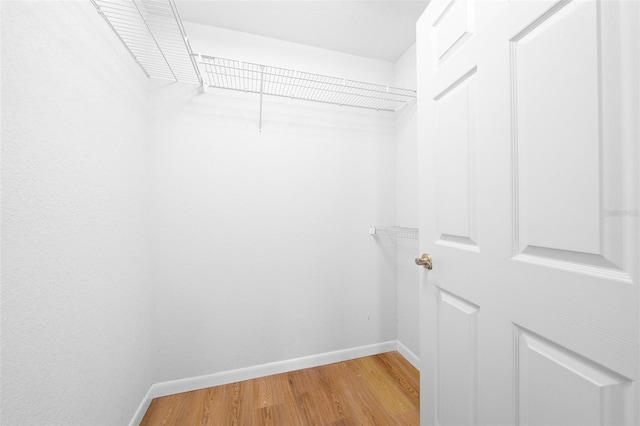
(142, 409)
(410, 356)
(232, 376)
(225, 377)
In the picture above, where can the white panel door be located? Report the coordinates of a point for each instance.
(529, 158)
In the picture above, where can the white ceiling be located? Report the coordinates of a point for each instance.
(375, 29)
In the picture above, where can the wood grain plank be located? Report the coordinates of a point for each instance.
(377, 390)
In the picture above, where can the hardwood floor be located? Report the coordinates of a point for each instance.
(376, 390)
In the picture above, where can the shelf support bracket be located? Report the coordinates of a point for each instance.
(261, 92)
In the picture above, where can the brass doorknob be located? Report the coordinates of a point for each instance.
(425, 261)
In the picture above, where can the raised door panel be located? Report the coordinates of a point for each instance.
(556, 386)
(567, 154)
(456, 373)
(454, 26)
(456, 163)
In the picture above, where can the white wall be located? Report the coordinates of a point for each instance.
(75, 290)
(261, 250)
(407, 207)
(154, 239)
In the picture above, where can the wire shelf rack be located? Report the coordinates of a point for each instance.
(395, 231)
(263, 79)
(152, 32)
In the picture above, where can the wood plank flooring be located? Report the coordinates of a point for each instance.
(376, 390)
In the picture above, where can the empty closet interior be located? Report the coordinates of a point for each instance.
(182, 200)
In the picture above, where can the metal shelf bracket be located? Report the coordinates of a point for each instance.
(395, 231)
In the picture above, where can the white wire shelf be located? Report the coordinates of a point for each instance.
(395, 231)
(152, 32)
(264, 79)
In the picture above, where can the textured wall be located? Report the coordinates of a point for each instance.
(261, 250)
(75, 289)
(256, 244)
